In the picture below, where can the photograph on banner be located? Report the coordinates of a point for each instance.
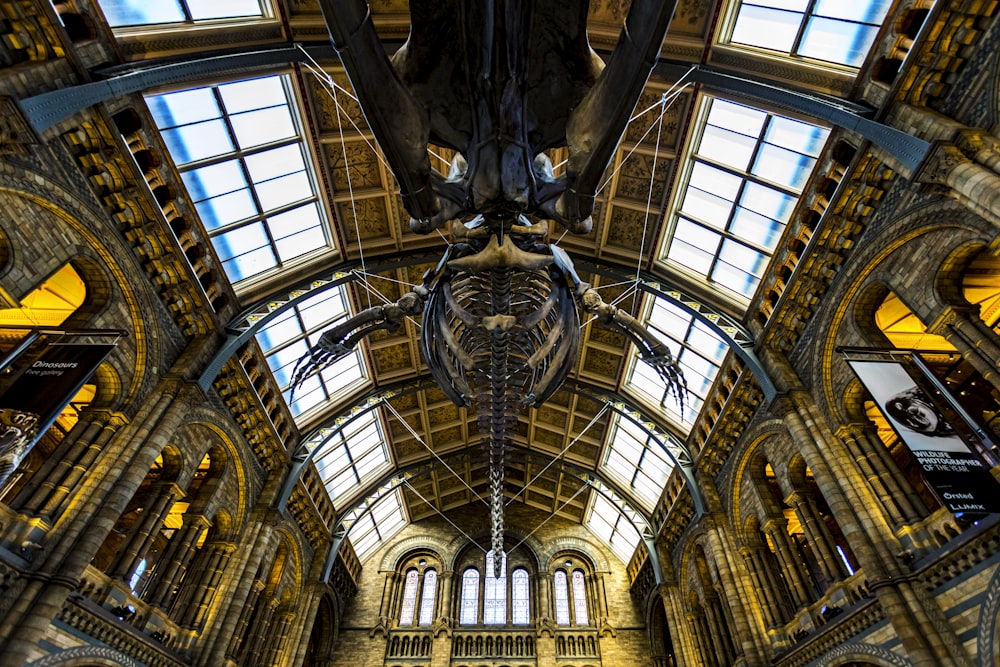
(953, 469)
(920, 423)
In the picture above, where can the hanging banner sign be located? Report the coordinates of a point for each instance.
(32, 402)
(955, 473)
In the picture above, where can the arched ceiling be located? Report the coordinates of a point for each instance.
(680, 152)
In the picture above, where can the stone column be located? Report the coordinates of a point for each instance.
(85, 442)
(141, 536)
(191, 610)
(175, 559)
(685, 646)
(974, 186)
(444, 594)
(799, 583)
(243, 620)
(874, 466)
(907, 497)
(764, 585)
(979, 345)
(281, 625)
(84, 525)
(818, 534)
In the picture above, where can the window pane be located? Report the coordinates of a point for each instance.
(141, 12)
(561, 598)
(579, 598)
(217, 9)
(427, 598)
(837, 41)
(520, 586)
(767, 28)
(470, 598)
(495, 599)
(409, 598)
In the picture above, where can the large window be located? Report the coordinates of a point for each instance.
(743, 180)
(831, 30)
(636, 459)
(371, 529)
(121, 13)
(570, 595)
(239, 149)
(424, 587)
(698, 350)
(287, 338)
(352, 455)
(512, 585)
(469, 612)
(608, 523)
(495, 600)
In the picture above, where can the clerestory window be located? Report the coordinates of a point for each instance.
(830, 30)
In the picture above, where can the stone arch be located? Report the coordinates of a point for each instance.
(863, 653)
(548, 550)
(86, 656)
(403, 550)
(989, 624)
(866, 305)
(945, 222)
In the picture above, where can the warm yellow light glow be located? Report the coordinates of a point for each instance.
(904, 329)
(50, 304)
(70, 414)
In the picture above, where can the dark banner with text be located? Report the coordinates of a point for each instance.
(956, 473)
(40, 391)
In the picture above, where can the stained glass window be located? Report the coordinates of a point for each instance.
(427, 598)
(579, 598)
(562, 598)
(495, 599)
(831, 30)
(240, 153)
(469, 612)
(519, 597)
(409, 598)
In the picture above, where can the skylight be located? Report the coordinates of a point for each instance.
(121, 13)
(830, 30)
(638, 461)
(384, 520)
(743, 180)
(240, 153)
(612, 526)
(290, 335)
(698, 349)
(351, 456)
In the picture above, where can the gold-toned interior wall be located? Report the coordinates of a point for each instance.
(149, 527)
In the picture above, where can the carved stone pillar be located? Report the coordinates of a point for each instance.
(192, 611)
(175, 559)
(817, 533)
(799, 584)
(143, 533)
(979, 345)
(882, 473)
(239, 632)
(444, 594)
(764, 585)
(87, 439)
(972, 185)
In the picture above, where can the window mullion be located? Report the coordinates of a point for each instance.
(806, 15)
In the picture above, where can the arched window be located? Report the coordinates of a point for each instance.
(521, 613)
(495, 599)
(579, 598)
(562, 598)
(409, 598)
(427, 598)
(469, 611)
